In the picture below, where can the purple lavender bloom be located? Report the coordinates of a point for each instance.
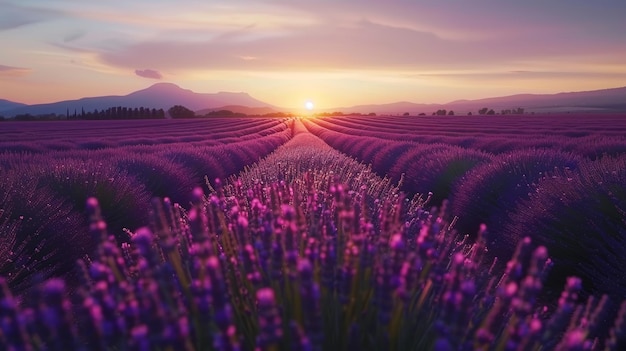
(270, 324)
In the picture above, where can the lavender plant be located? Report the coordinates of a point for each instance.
(581, 217)
(123, 197)
(596, 147)
(24, 147)
(41, 235)
(438, 170)
(488, 192)
(387, 155)
(160, 178)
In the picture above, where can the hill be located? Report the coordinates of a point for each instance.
(160, 95)
(605, 100)
(601, 100)
(240, 109)
(6, 105)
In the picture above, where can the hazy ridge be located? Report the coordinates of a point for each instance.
(166, 95)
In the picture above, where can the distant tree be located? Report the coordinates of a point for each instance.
(179, 111)
(515, 111)
(450, 113)
(2, 118)
(491, 112)
(161, 113)
(422, 114)
(406, 114)
(469, 113)
(24, 117)
(442, 112)
(371, 114)
(224, 113)
(483, 111)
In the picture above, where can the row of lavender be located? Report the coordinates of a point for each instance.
(291, 256)
(588, 135)
(571, 125)
(571, 204)
(43, 137)
(42, 196)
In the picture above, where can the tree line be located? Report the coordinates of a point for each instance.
(112, 113)
(483, 111)
(118, 112)
(179, 111)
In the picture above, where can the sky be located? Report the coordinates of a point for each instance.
(333, 52)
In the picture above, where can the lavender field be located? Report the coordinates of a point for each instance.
(329, 233)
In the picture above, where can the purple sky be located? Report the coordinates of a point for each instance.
(335, 53)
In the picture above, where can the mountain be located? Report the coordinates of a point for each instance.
(170, 94)
(605, 100)
(601, 100)
(391, 108)
(240, 109)
(9, 105)
(160, 95)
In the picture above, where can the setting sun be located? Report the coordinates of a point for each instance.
(309, 105)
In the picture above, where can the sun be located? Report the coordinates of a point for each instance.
(309, 105)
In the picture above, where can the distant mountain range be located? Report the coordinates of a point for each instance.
(6, 105)
(240, 109)
(160, 95)
(166, 95)
(605, 100)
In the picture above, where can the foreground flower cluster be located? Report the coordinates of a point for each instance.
(278, 270)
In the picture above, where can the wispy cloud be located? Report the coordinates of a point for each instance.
(14, 15)
(326, 46)
(521, 74)
(73, 36)
(360, 44)
(330, 35)
(148, 73)
(9, 71)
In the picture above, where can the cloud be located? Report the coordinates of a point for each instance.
(525, 74)
(148, 73)
(74, 35)
(355, 45)
(9, 71)
(329, 36)
(351, 35)
(14, 16)
(350, 45)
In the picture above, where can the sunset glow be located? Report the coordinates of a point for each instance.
(309, 105)
(347, 52)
